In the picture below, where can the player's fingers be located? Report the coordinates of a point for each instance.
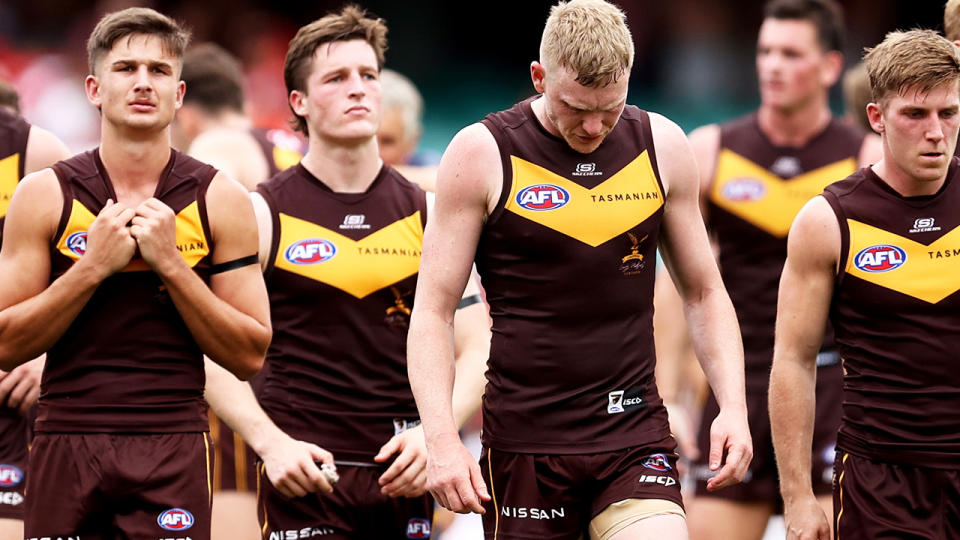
(388, 449)
(728, 473)
(405, 479)
(479, 486)
(6, 385)
(468, 497)
(30, 400)
(18, 393)
(717, 441)
(396, 468)
(321, 455)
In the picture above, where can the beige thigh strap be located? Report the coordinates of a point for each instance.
(620, 514)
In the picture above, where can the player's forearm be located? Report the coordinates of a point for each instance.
(235, 340)
(471, 335)
(716, 339)
(792, 399)
(234, 402)
(29, 328)
(431, 371)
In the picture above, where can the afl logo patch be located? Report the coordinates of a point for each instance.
(542, 197)
(77, 243)
(744, 190)
(10, 476)
(657, 462)
(418, 528)
(175, 519)
(310, 251)
(880, 258)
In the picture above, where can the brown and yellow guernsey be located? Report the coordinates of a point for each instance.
(14, 132)
(896, 312)
(343, 269)
(757, 190)
(127, 363)
(568, 259)
(279, 157)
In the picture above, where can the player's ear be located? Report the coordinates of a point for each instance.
(538, 74)
(875, 117)
(298, 102)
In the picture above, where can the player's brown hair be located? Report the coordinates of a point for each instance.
(214, 78)
(825, 15)
(921, 59)
(590, 38)
(9, 96)
(856, 95)
(131, 21)
(350, 23)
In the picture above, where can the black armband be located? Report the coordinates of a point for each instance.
(469, 301)
(234, 264)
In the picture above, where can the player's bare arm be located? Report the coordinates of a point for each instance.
(806, 287)
(235, 153)
(43, 150)
(35, 313)
(709, 312)
(230, 319)
(407, 475)
(291, 465)
(466, 190)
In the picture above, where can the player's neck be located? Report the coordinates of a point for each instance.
(134, 163)
(344, 168)
(794, 127)
(903, 183)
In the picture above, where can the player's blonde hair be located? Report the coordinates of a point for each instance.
(921, 59)
(132, 21)
(951, 20)
(590, 38)
(398, 92)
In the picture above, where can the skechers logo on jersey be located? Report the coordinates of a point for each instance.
(744, 190)
(620, 401)
(924, 225)
(310, 251)
(295, 534)
(175, 519)
(532, 513)
(418, 528)
(542, 197)
(880, 258)
(10, 476)
(586, 169)
(657, 479)
(77, 242)
(657, 462)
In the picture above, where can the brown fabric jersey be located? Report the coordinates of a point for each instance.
(343, 269)
(568, 259)
(14, 132)
(279, 157)
(757, 190)
(128, 362)
(896, 312)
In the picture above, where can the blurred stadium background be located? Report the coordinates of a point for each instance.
(694, 59)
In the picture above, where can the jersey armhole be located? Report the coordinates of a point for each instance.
(274, 230)
(506, 165)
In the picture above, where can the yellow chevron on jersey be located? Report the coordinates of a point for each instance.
(926, 272)
(762, 198)
(284, 158)
(191, 240)
(357, 267)
(9, 177)
(592, 216)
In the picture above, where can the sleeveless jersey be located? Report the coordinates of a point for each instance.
(128, 362)
(568, 259)
(14, 132)
(757, 190)
(279, 156)
(342, 274)
(896, 312)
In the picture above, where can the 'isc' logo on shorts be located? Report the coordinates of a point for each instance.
(418, 528)
(10, 476)
(542, 197)
(175, 519)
